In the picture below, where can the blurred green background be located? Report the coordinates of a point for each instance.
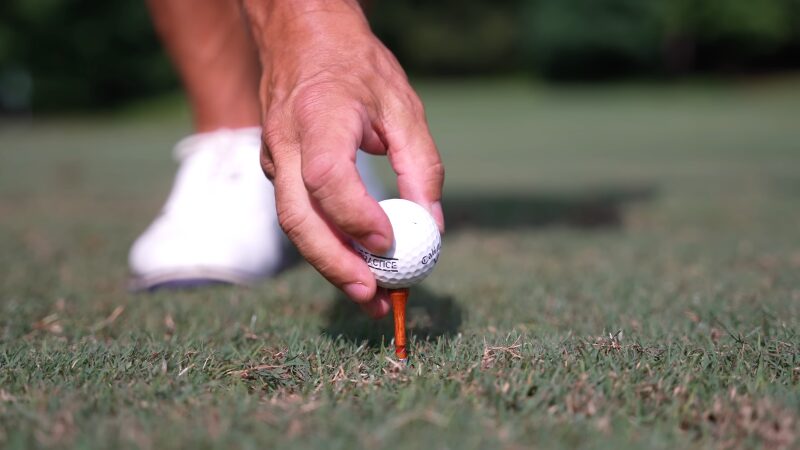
(68, 54)
(622, 264)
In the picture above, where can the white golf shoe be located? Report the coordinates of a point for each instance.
(219, 223)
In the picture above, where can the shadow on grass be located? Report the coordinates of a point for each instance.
(602, 208)
(594, 209)
(428, 316)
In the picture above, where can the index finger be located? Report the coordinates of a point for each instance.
(415, 159)
(314, 238)
(329, 172)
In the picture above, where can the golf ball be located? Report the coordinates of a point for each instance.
(415, 249)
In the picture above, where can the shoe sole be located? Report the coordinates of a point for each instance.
(196, 278)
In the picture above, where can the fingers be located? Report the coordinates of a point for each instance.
(379, 306)
(330, 175)
(320, 196)
(314, 238)
(414, 158)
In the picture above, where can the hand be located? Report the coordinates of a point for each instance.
(328, 88)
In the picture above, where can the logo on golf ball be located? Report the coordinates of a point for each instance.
(376, 262)
(415, 250)
(433, 256)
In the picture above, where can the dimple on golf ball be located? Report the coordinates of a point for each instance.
(415, 249)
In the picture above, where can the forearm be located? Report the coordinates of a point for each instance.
(297, 40)
(329, 87)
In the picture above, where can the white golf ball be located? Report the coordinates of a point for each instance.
(415, 250)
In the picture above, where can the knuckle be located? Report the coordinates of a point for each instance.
(402, 105)
(307, 106)
(267, 165)
(436, 176)
(314, 98)
(314, 114)
(274, 134)
(437, 170)
(292, 222)
(320, 174)
(410, 100)
(265, 157)
(328, 95)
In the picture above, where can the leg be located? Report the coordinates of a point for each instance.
(211, 47)
(219, 222)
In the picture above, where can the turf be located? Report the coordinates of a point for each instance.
(621, 270)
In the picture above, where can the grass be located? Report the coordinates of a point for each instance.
(621, 270)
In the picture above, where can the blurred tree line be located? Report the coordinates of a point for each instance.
(57, 54)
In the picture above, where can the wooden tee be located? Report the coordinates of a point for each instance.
(399, 299)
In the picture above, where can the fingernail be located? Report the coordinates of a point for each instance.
(376, 242)
(438, 215)
(357, 292)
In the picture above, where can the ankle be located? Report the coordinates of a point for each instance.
(208, 118)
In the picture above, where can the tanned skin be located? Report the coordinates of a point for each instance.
(320, 84)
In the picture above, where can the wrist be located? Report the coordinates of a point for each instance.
(283, 21)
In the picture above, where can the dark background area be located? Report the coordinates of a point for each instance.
(82, 54)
